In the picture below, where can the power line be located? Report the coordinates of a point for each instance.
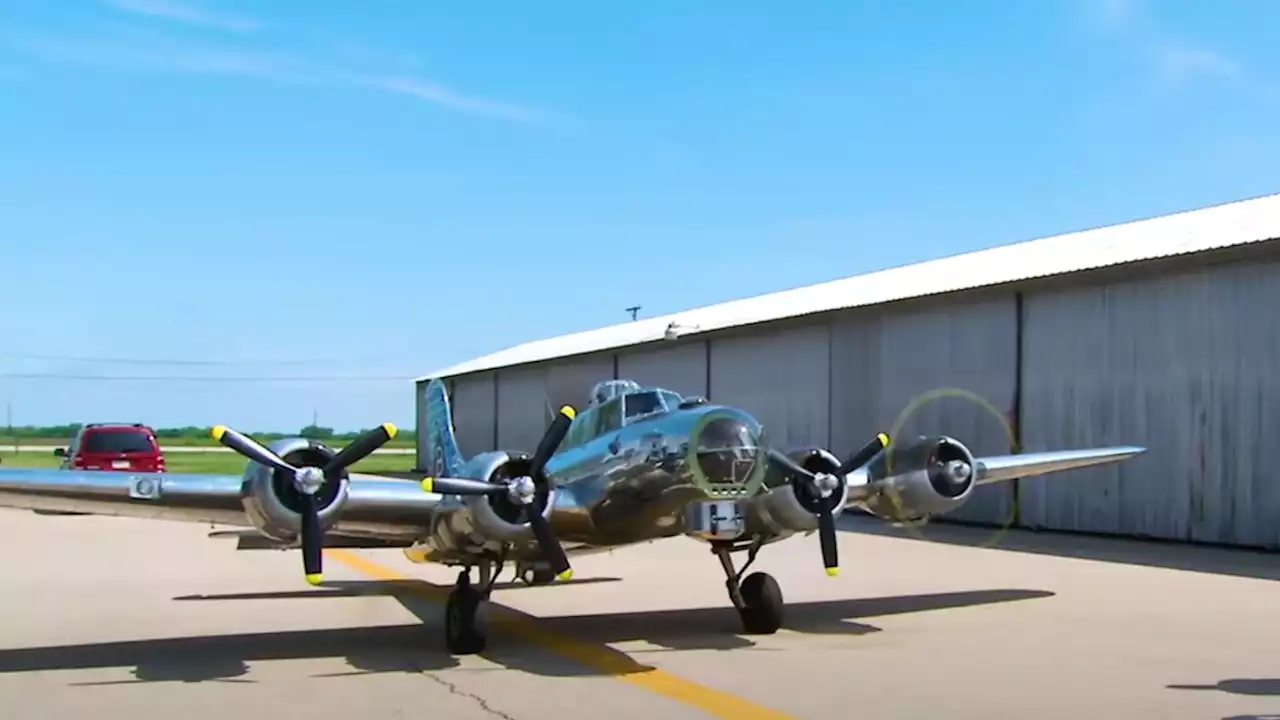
(199, 378)
(150, 361)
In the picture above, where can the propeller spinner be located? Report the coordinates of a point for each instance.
(820, 491)
(524, 491)
(308, 481)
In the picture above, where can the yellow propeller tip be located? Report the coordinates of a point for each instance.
(566, 575)
(314, 578)
(391, 429)
(884, 439)
(833, 571)
(427, 484)
(217, 431)
(568, 412)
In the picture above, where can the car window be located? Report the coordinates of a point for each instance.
(118, 442)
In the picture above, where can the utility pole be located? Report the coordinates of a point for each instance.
(8, 416)
(633, 310)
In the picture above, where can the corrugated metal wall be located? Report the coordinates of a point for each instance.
(529, 396)
(473, 402)
(946, 369)
(781, 377)
(1185, 365)
(681, 367)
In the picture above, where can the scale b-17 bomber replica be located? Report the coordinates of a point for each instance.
(637, 464)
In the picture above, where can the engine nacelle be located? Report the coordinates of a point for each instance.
(789, 508)
(928, 476)
(481, 520)
(271, 500)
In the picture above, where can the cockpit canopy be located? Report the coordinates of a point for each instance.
(616, 403)
(607, 390)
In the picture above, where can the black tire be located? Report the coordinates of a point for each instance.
(763, 598)
(462, 632)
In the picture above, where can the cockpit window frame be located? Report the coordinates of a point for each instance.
(659, 406)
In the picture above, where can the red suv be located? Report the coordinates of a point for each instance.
(121, 447)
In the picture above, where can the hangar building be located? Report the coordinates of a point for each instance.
(1163, 333)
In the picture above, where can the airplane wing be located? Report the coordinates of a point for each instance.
(376, 506)
(1000, 468)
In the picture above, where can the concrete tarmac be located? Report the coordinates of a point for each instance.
(116, 618)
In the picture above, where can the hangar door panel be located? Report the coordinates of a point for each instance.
(681, 368)
(522, 407)
(569, 381)
(420, 423)
(474, 421)
(780, 376)
(1183, 365)
(946, 370)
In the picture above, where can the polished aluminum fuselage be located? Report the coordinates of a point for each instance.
(634, 484)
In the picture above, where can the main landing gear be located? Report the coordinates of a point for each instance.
(758, 599)
(464, 622)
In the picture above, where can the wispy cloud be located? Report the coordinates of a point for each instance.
(1179, 62)
(133, 49)
(149, 52)
(441, 95)
(184, 12)
(1176, 61)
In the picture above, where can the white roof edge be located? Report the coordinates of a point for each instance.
(1192, 231)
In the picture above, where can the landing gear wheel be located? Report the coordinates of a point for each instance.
(762, 604)
(462, 632)
(530, 576)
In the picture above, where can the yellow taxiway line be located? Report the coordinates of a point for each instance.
(598, 657)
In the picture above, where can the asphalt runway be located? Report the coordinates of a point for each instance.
(115, 618)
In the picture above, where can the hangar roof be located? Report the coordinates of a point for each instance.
(1193, 231)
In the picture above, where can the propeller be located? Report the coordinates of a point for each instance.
(822, 486)
(308, 481)
(524, 491)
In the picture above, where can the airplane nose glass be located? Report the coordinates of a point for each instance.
(729, 455)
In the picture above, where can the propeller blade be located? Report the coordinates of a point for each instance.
(460, 486)
(864, 456)
(827, 537)
(312, 540)
(551, 549)
(360, 448)
(791, 466)
(550, 546)
(250, 448)
(551, 440)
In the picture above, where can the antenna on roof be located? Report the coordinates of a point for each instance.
(633, 310)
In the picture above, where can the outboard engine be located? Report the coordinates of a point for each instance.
(274, 504)
(929, 476)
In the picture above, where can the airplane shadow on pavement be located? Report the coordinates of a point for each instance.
(560, 646)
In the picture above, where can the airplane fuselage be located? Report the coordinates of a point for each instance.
(699, 471)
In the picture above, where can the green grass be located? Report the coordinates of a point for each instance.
(397, 442)
(216, 463)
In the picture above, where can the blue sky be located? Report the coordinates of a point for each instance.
(383, 188)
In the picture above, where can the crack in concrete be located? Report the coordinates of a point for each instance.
(455, 690)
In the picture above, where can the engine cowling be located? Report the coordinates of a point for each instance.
(480, 520)
(271, 501)
(912, 481)
(788, 508)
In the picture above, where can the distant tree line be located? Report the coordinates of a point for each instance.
(192, 432)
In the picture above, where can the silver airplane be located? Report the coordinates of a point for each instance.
(638, 464)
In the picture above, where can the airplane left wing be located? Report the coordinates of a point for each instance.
(1000, 468)
(381, 507)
